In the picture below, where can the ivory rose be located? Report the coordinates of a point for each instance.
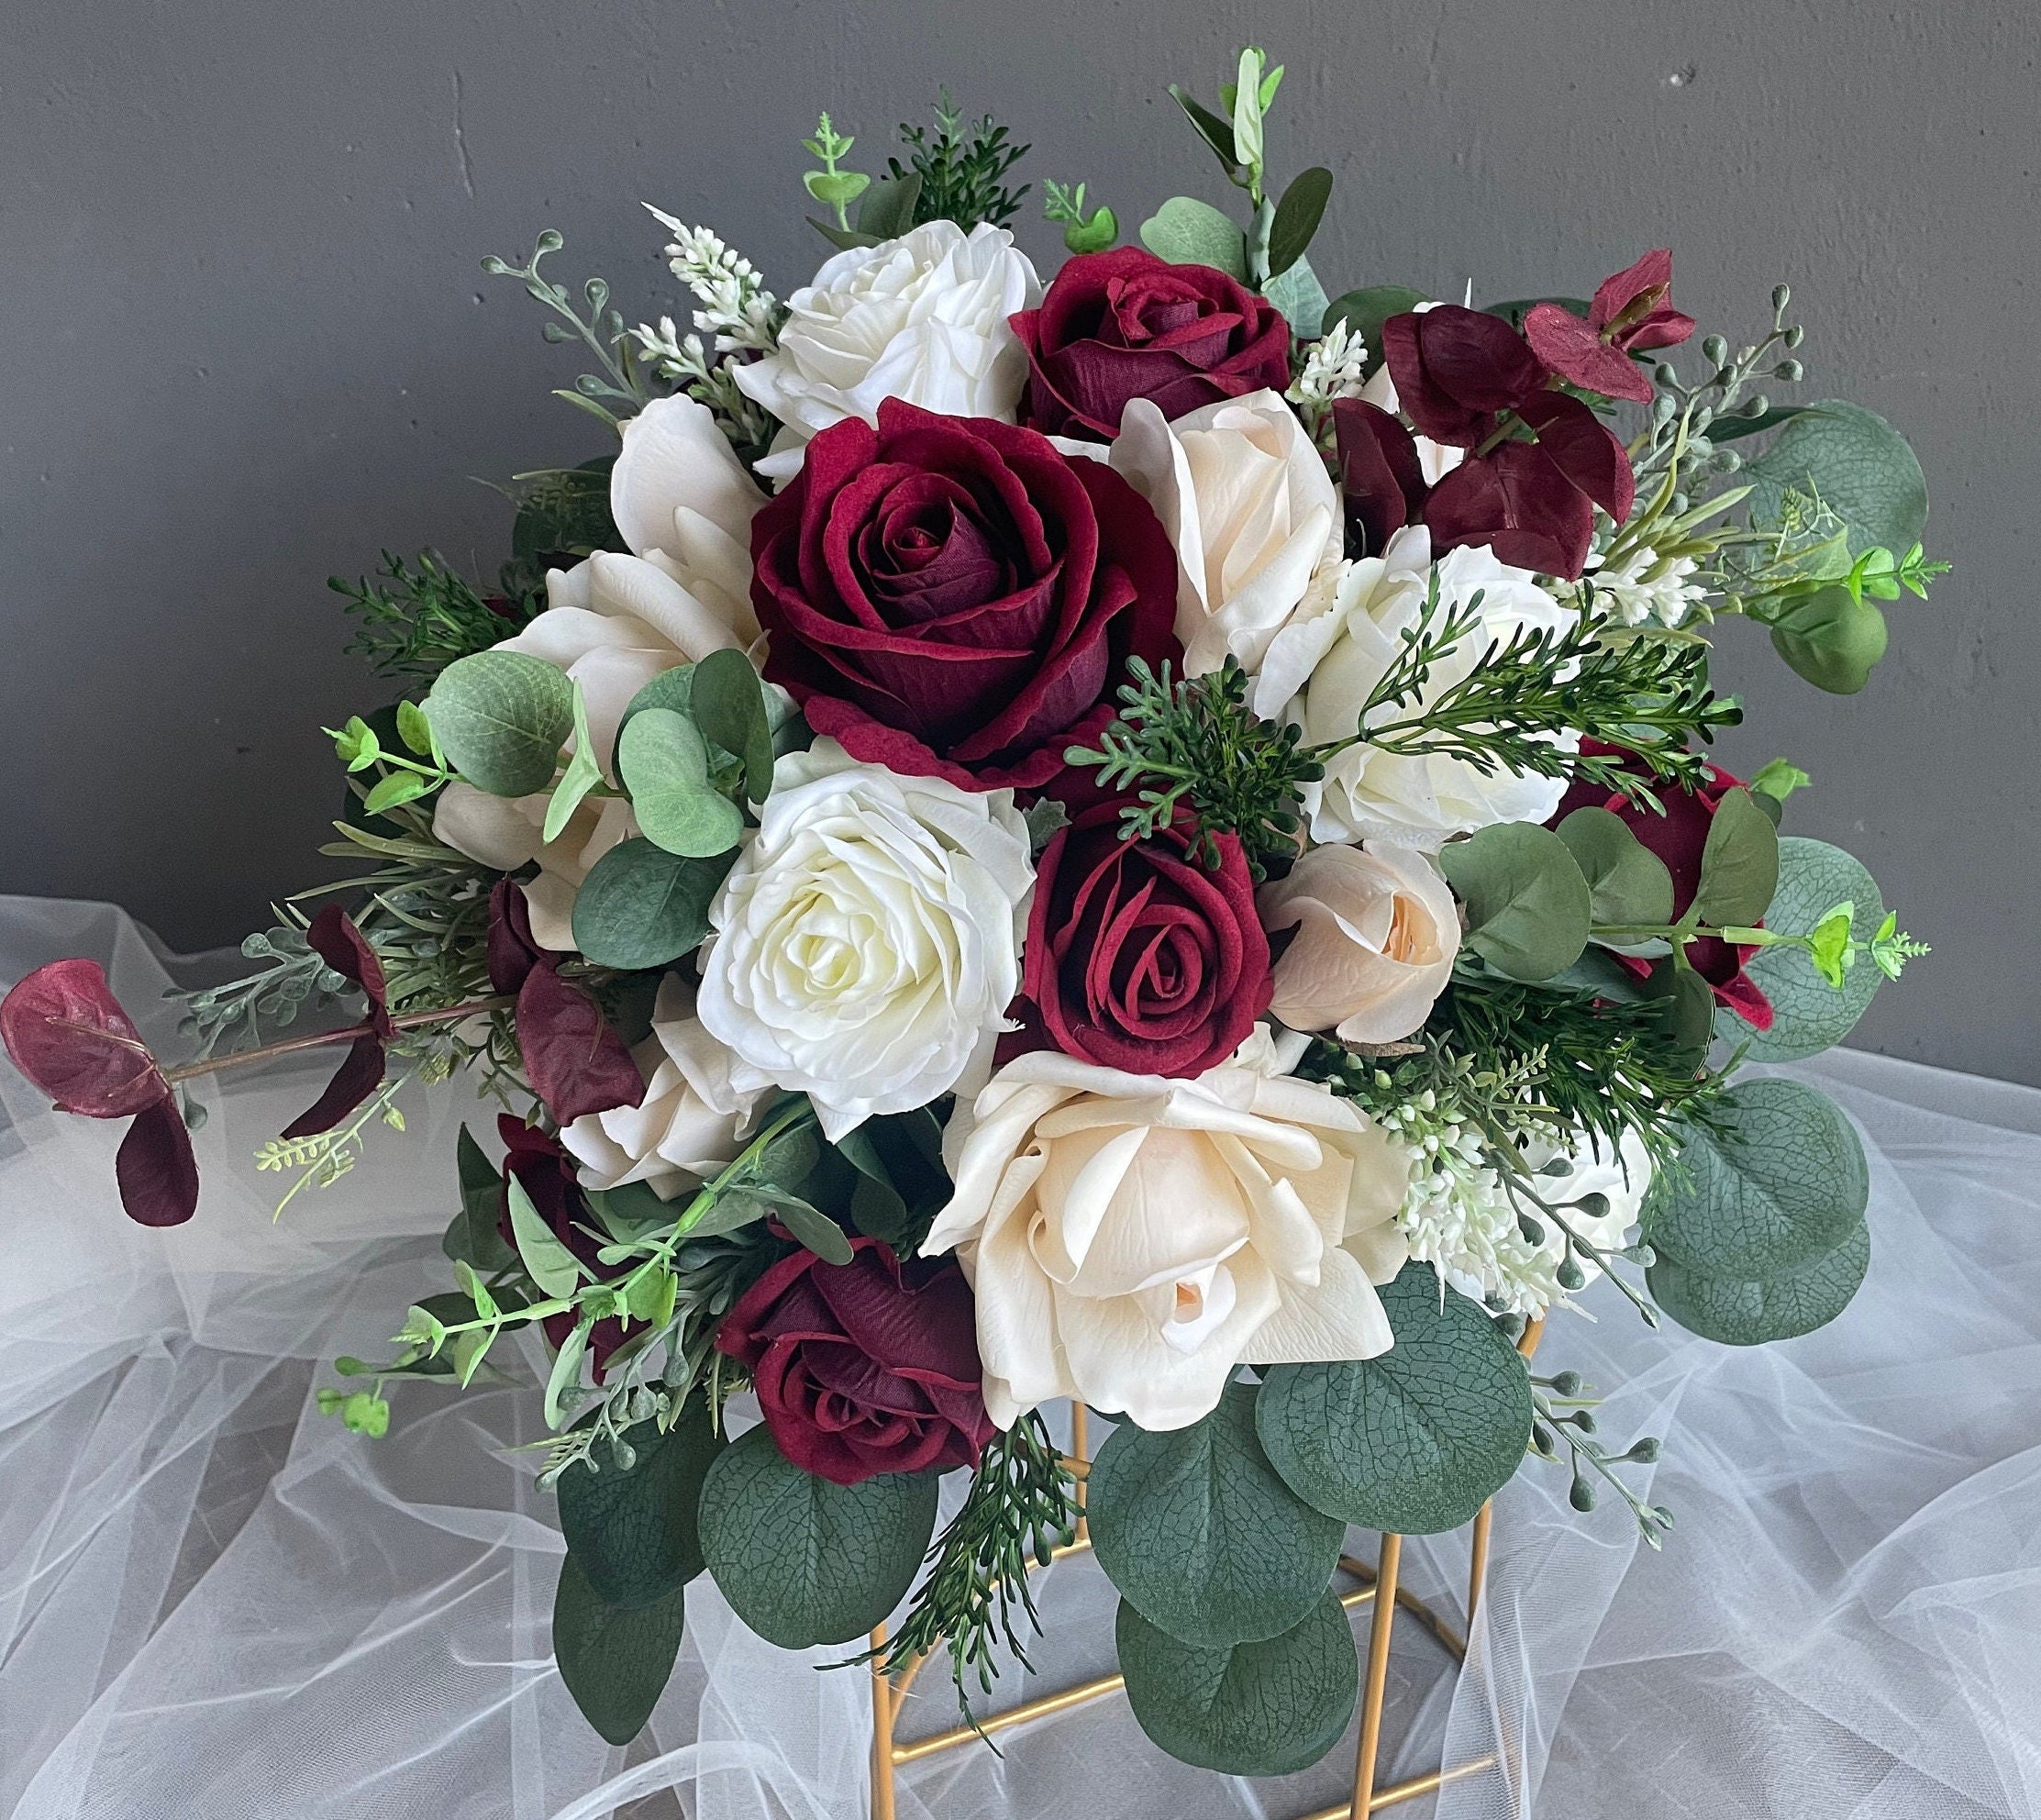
(1322, 668)
(868, 939)
(1376, 933)
(922, 317)
(692, 1120)
(1132, 1239)
(507, 832)
(1246, 502)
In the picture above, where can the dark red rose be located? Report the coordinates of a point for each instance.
(1123, 324)
(1139, 957)
(1679, 836)
(546, 1172)
(863, 1368)
(1632, 310)
(1379, 475)
(953, 597)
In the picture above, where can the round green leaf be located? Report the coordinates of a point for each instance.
(1808, 1014)
(804, 1561)
(1627, 883)
(1740, 865)
(615, 1660)
(1364, 312)
(1747, 1312)
(502, 717)
(634, 1531)
(665, 765)
(1527, 903)
(642, 906)
(1202, 1536)
(730, 709)
(1831, 638)
(1776, 1177)
(1186, 231)
(1415, 1440)
(1267, 1708)
(1856, 463)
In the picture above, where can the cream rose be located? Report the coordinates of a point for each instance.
(507, 832)
(1132, 1239)
(1248, 505)
(1322, 668)
(868, 939)
(922, 317)
(1376, 936)
(692, 1119)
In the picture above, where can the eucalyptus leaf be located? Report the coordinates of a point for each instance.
(1215, 132)
(1299, 295)
(1416, 1439)
(1186, 231)
(1776, 1177)
(548, 1262)
(812, 1227)
(1200, 1533)
(1744, 1312)
(1627, 883)
(633, 1529)
(665, 766)
(1689, 1007)
(730, 709)
(1856, 463)
(1303, 207)
(582, 775)
(1527, 900)
(888, 209)
(1808, 1014)
(615, 1660)
(501, 717)
(641, 906)
(566, 1374)
(805, 1561)
(1265, 1708)
(475, 1238)
(1739, 864)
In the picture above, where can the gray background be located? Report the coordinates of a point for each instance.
(247, 343)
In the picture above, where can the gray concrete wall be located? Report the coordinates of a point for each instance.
(244, 341)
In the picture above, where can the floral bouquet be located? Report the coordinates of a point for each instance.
(1143, 838)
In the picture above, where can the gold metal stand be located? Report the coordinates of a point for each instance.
(1377, 1586)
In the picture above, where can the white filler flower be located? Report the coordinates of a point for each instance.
(1133, 1238)
(868, 938)
(922, 317)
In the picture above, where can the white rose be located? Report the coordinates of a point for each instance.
(922, 317)
(1247, 504)
(1133, 1238)
(1376, 936)
(868, 938)
(692, 1121)
(1322, 668)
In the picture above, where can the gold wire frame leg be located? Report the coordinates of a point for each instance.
(1388, 1564)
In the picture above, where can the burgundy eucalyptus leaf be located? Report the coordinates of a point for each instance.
(1632, 312)
(1380, 475)
(156, 1168)
(512, 952)
(1583, 448)
(67, 1033)
(355, 1078)
(336, 941)
(1575, 352)
(577, 1063)
(1518, 502)
(1458, 370)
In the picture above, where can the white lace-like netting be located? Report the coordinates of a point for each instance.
(215, 1602)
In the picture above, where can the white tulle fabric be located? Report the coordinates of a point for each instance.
(215, 1602)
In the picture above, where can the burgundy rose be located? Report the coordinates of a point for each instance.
(1139, 957)
(953, 597)
(1541, 459)
(1632, 310)
(546, 1172)
(863, 1368)
(1679, 836)
(1125, 324)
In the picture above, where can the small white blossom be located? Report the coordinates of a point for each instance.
(1642, 587)
(1334, 366)
(737, 311)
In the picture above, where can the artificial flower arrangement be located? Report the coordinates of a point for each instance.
(1143, 838)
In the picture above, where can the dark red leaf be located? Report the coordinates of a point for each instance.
(355, 1078)
(1634, 309)
(1583, 448)
(1575, 352)
(1455, 370)
(1518, 502)
(512, 951)
(155, 1168)
(67, 1033)
(346, 950)
(1380, 475)
(576, 1062)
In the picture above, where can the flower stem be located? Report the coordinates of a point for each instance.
(410, 1020)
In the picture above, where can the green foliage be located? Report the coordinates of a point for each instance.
(1186, 231)
(1020, 1504)
(475, 1238)
(962, 168)
(1739, 864)
(1744, 1312)
(417, 620)
(1200, 1533)
(1296, 292)
(547, 1260)
(728, 701)
(1267, 1708)
(1303, 207)
(1364, 312)
(1210, 753)
(1778, 1177)
(615, 1660)
(665, 766)
(804, 1561)
(641, 906)
(1808, 1014)
(896, 1180)
(1416, 1440)
(1832, 638)
(833, 188)
(1527, 901)
(1627, 883)
(1082, 233)
(502, 717)
(235, 1014)
(581, 776)
(1854, 462)
(619, 389)
(629, 1510)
